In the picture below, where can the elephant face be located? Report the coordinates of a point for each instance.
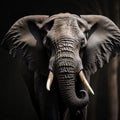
(67, 45)
(64, 39)
(65, 34)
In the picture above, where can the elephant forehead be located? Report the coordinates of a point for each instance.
(65, 21)
(65, 27)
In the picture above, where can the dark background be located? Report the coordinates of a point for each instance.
(15, 103)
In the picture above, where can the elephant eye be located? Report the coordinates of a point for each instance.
(82, 42)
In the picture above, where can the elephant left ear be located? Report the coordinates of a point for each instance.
(103, 42)
(24, 41)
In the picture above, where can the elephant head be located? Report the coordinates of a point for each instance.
(67, 45)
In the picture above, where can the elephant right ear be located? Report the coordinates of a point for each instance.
(24, 39)
(103, 42)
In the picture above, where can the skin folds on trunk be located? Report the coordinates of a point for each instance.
(65, 69)
(66, 81)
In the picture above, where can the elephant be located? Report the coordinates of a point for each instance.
(61, 52)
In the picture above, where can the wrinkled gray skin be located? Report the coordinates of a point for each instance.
(64, 44)
(66, 38)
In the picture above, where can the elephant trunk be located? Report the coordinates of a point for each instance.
(65, 69)
(66, 83)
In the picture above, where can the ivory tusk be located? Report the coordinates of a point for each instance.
(85, 82)
(49, 81)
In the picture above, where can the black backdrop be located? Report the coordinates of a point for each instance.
(15, 103)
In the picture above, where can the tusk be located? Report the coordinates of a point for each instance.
(49, 81)
(85, 82)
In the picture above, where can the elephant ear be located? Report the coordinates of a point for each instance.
(103, 42)
(24, 40)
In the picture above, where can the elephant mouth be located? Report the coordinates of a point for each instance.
(82, 79)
